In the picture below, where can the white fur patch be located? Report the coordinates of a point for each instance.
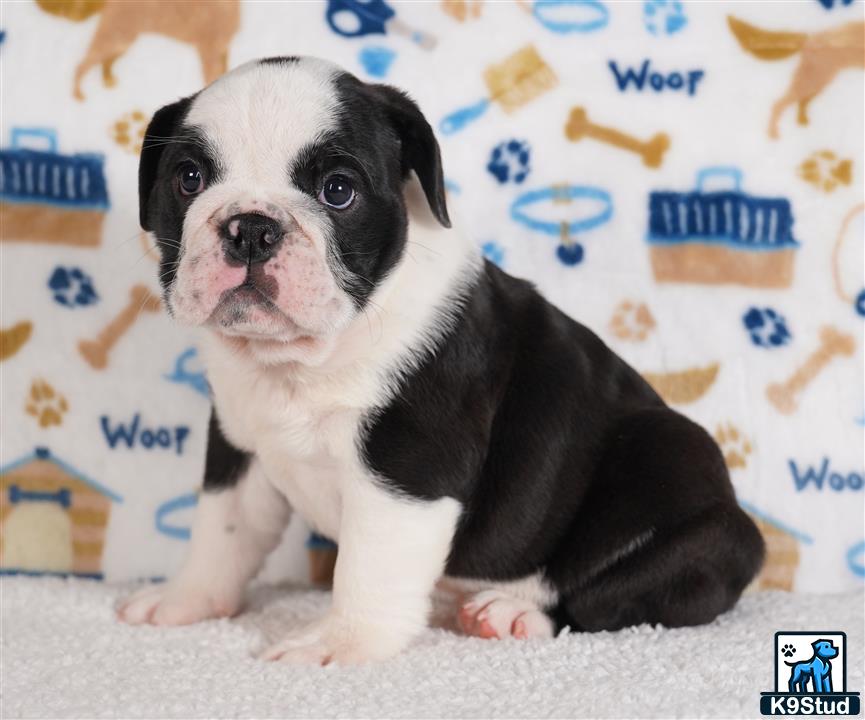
(391, 552)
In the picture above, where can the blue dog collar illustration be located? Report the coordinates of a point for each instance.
(569, 192)
(570, 252)
(178, 531)
(546, 12)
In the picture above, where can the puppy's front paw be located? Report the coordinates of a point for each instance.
(333, 639)
(175, 603)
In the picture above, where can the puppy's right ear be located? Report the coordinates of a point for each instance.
(161, 131)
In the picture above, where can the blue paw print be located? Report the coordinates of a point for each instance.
(71, 287)
(376, 60)
(493, 252)
(860, 303)
(664, 17)
(509, 161)
(767, 328)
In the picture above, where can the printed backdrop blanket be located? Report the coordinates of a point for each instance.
(684, 177)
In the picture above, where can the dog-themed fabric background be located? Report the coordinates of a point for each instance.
(684, 177)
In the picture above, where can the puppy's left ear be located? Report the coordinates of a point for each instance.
(420, 150)
(160, 132)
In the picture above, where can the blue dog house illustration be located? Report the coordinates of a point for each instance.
(52, 518)
(48, 197)
(720, 237)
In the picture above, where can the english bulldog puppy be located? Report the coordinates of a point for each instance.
(435, 416)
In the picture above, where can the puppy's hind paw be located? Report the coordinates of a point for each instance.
(493, 614)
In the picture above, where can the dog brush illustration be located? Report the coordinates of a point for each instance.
(356, 18)
(512, 83)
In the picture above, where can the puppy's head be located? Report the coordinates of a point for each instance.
(276, 199)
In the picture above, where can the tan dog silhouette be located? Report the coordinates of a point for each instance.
(824, 55)
(207, 26)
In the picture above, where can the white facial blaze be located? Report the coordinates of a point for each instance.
(256, 120)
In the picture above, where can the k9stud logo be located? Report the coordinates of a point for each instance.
(810, 676)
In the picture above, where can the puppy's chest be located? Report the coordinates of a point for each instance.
(306, 442)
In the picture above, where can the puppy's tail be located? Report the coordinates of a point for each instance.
(764, 44)
(790, 664)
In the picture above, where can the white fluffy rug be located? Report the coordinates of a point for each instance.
(64, 655)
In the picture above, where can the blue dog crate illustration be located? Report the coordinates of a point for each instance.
(723, 236)
(49, 197)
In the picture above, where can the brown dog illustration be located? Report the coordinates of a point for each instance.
(824, 55)
(207, 26)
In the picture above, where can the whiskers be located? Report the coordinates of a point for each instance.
(366, 303)
(158, 141)
(169, 268)
(379, 313)
(154, 254)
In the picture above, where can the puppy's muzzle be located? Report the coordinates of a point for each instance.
(250, 238)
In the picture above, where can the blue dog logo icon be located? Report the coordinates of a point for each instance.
(810, 675)
(817, 670)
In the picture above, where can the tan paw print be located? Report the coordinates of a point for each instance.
(128, 131)
(462, 10)
(632, 321)
(825, 170)
(735, 446)
(46, 404)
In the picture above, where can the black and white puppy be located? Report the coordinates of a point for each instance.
(434, 415)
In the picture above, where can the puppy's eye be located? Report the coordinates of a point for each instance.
(190, 179)
(337, 192)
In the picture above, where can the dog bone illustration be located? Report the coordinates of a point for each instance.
(652, 150)
(832, 342)
(96, 351)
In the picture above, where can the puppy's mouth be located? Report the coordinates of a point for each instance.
(246, 295)
(250, 308)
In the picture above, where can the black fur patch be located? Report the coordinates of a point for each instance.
(167, 144)
(224, 463)
(382, 136)
(566, 462)
(280, 60)
(368, 236)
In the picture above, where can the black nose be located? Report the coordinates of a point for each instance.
(250, 237)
